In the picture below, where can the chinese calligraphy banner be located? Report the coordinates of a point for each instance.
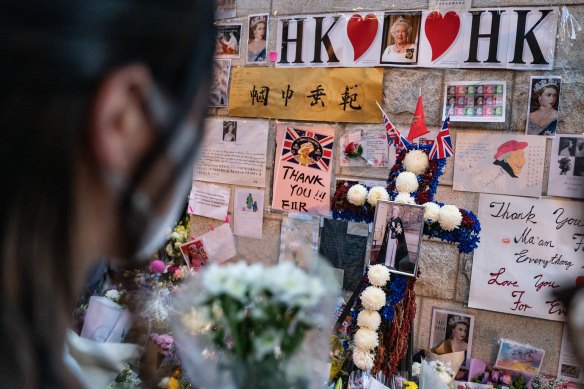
(341, 95)
(233, 152)
(529, 248)
(304, 164)
(517, 38)
(503, 164)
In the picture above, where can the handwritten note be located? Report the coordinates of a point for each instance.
(375, 149)
(503, 164)
(302, 178)
(234, 152)
(209, 200)
(529, 248)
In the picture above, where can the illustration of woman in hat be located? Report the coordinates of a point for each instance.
(510, 157)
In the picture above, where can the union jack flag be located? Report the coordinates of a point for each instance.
(394, 136)
(442, 147)
(320, 157)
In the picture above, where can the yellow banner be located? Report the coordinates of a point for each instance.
(323, 94)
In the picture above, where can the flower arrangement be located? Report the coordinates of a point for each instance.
(543, 382)
(177, 237)
(353, 150)
(252, 318)
(501, 379)
(413, 179)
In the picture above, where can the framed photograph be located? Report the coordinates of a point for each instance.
(397, 234)
(544, 105)
(194, 254)
(229, 131)
(227, 41)
(566, 172)
(475, 101)
(519, 357)
(257, 45)
(400, 41)
(451, 331)
(219, 94)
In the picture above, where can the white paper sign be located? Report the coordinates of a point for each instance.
(375, 149)
(248, 208)
(569, 367)
(503, 164)
(529, 248)
(234, 152)
(209, 200)
(219, 243)
(566, 174)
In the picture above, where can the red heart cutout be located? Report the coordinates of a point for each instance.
(361, 33)
(441, 31)
(580, 281)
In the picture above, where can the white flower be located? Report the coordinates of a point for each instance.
(363, 359)
(406, 182)
(377, 193)
(378, 275)
(373, 298)
(445, 377)
(416, 161)
(357, 194)
(366, 339)
(431, 212)
(450, 217)
(369, 319)
(195, 321)
(113, 295)
(416, 369)
(404, 198)
(266, 342)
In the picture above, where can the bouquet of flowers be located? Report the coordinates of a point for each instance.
(241, 326)
(434, 374)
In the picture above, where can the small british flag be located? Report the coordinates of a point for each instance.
(394, 136)
(442, 147)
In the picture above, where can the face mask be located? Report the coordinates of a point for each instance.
(156, 195)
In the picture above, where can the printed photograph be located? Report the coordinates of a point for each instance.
(397, 234)
(194, 254)
(400, 41)
(451, 331)
(519, 357)
(229, 131)
(544, 100)
(219, 93)
(227, 41)
(257, 39)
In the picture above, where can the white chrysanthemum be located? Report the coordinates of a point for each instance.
(450, 217)
(416, 161)
(357, 194)
(431, 212)
(373, 298)
(406, 182)
(377, 193)
(363, 359)
(113, 294)
(378, 275)
(416, 369)
(369, 319)
(404, 198)
(366, 339)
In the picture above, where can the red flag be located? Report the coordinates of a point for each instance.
(418, 127)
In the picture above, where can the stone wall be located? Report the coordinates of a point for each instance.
(445, 274)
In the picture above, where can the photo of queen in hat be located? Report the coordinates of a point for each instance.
(510, 157)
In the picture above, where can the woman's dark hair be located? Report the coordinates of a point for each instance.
(54, 55)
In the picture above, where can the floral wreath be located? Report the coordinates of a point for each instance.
(413, 179)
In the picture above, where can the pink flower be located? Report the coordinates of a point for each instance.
(506, 379)
(157, 266)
